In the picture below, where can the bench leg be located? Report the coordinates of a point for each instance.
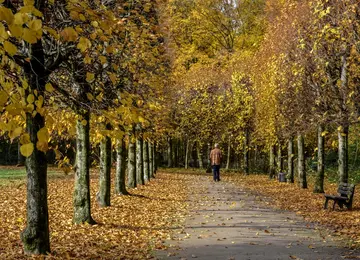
(334, 204)
(326, 203)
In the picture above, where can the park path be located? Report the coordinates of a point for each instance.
(228, 222)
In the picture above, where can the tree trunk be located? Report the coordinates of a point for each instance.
(139, 161)
(155, 165)
(291, 160)
(103, 196)
(228, 154)
(200, 155)
(146, 162)
(272, 162)
(131, 165)
(280, 162)
(187, 149)
(35, 236)
(319, 181)
(343, 153)
(120, 187)
(151, 160)
(246, 152)
(301, 162)
(170, 153)
(82, 209)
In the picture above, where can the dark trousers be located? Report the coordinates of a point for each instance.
(216, 172)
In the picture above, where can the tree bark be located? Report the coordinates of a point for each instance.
(272, 162)
(82, 208)
(228, 154)
(200, 155)
(139, 161)
(35, 236)
(120, 187)
(280, 162)
(103, 196)
(155, 164)
(319, 181)
(291, 160)
(343, 153)
(170, 153)
(151, 160)
(301, 162)
(187, 149)
(131, 165)
(146, 162)
(246, 152)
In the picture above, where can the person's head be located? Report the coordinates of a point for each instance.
(216, 145)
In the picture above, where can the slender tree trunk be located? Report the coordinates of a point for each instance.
(35, 236)
(291, 160)
(151, 160)
(228, 154)
(120, 187)
(246, 151)
(170, 162)
(146, 162)
(301, 162)
(272, 162)
(187, 154)
(155, 165)
(319, 181)
(176, 153)
(131, 165)
(103, 196)
(82, 208)
(255, 159)
(280, 159)
(200, 155)
(139, 161)
(343, 153)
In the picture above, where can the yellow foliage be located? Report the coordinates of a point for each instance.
(27, 149)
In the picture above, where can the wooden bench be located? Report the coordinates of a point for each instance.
(344, 197)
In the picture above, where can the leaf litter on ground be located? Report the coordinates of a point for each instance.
(130, 229)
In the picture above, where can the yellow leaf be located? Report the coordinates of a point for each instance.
(82, 17)
(95, 24)
(16, 30)
(3, 97)
(90, 96)
(29, 36)
(84, 44)
(16, 132)
(3, 34)
(43, 135)
(69, 34)
(19, 19)
(29, 2)
(90, 77)
(74, 15)
(30, 99)
(103, 59)
(25, 138)
(6, 15)
(49, 88)
(87, 59)
(35, 25)
(27, 149)
(10, 48)
(84, 122)
(113, 78)
(39, 102)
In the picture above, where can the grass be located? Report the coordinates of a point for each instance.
(17, 175)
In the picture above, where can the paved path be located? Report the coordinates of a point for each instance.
(226, 222)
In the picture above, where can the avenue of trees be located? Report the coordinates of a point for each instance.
(141, 82)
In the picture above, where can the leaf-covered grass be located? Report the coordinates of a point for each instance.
(304, 202)
(129, 229)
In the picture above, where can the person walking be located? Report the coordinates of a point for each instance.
(215, 159)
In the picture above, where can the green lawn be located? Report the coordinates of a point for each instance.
(17, 175)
